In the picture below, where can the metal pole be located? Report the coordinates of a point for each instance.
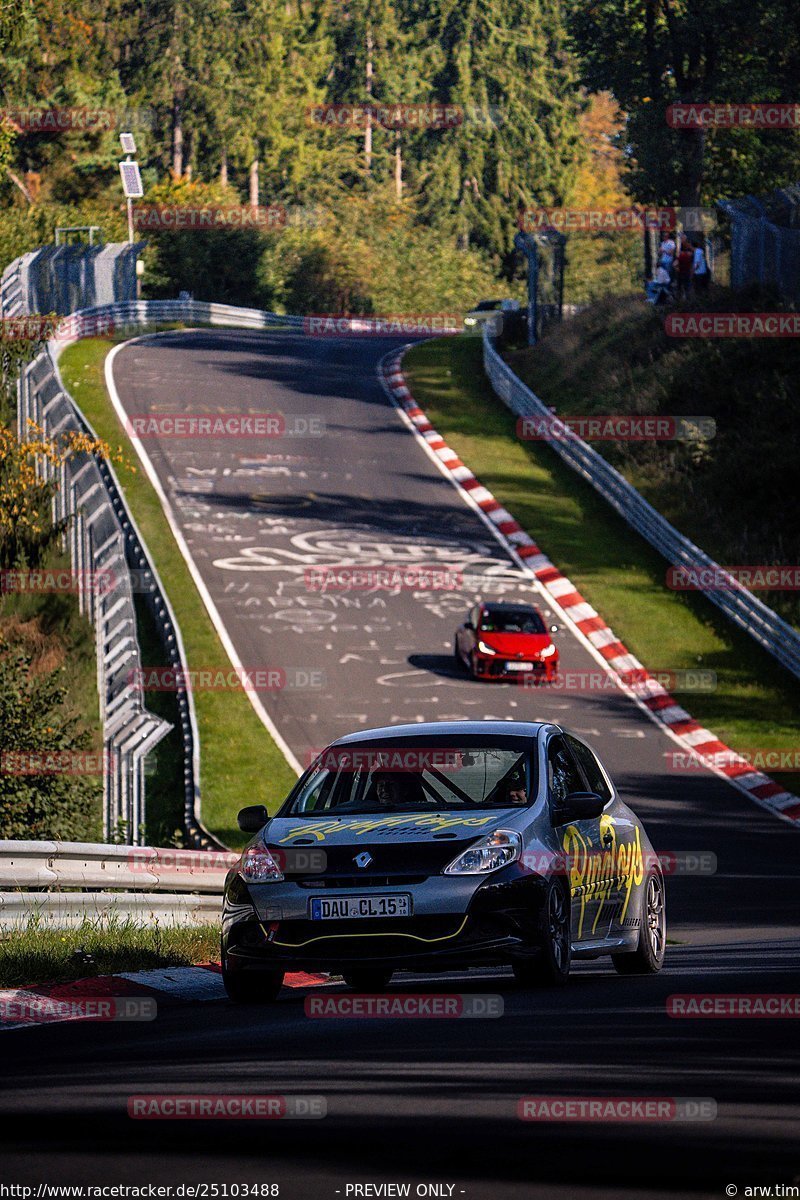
(533, 292)
(130, 220)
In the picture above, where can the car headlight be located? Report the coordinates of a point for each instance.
(258, 866)
(547, 652)
(469, 320)
(484, 649)
(497, 850)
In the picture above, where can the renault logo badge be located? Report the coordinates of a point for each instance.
(363, 859)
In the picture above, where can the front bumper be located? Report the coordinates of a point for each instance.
(499, 923)
(543, 670)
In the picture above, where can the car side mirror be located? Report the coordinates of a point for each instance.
(252, 818)
(468, 625)
(578, 806)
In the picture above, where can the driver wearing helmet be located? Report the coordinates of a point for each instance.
(515, 790)
(392, 790)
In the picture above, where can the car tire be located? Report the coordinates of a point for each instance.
(551, 967)
(648, 957)
(252, 987)
(367, 979)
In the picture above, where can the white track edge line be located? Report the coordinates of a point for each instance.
(199, 582)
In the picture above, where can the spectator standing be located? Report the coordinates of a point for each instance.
(701, 275)
(661, 291)
(685, 267)
(666, 253)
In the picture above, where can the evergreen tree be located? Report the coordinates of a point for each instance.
(505, 64)
(653, 53)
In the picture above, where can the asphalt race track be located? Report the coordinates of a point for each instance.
(419, 1100)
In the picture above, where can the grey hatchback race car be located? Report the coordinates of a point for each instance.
(438, 846)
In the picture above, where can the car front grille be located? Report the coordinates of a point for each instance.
(359, 881)
(396, 863)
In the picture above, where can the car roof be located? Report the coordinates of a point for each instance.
(492, 730)
(508, 606)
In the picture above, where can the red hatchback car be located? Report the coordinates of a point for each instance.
(506, 641)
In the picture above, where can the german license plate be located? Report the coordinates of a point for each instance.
(338, 908)
(519, 666)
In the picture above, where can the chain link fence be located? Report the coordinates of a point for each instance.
(765, 240)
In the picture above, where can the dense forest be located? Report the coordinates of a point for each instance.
(557, 102)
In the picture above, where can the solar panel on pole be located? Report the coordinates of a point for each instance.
(131, 180)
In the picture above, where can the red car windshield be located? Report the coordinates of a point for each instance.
(520, 620)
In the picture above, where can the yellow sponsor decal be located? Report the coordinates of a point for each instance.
(596, 873)
(319, 829)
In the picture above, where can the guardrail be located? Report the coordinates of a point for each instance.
(735, 601)
(103, 534)
(96, 536)
(104, 541)
(135, 314)
(11, 289)
(140, 883)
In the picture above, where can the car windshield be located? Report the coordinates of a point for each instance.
(396, 779)
(518, 620)
(486, 306)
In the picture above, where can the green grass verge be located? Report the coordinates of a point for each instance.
(240, 764)
(38, 954)
(755, 702)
